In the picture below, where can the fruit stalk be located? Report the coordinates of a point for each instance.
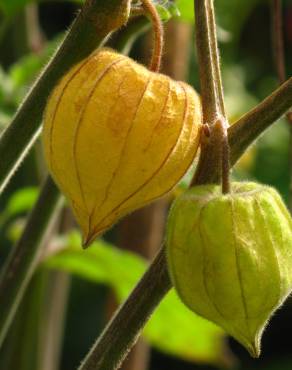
(280, 66)
(214, 145)
(158, 33)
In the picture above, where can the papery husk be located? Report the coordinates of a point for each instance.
(230, 256)
(117, 136)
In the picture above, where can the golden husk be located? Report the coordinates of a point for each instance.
(117, 136)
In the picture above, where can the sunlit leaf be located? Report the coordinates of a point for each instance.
(186, 9)
(172, 328)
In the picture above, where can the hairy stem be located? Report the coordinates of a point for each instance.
(158, 35)
(278, 40)
(226, 186)
(279, 58)
(214, 151)
(91, 27)
(208, 60)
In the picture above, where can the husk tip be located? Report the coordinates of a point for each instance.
(254, 349)
(87, 240)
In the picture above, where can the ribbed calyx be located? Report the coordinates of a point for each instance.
(230, 256)
(117, 136)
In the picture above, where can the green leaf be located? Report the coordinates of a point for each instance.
(24, 71)
(173, 328)
(238, 99)
(21, 201)
(10, 7)
(186, 9)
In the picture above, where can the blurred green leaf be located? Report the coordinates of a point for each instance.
(25, 70)
(15, 82)
(10, 7)
(172, 328)
(186, 9)
(164, 13)
(21, 201)
(14, 230)
(238, 99)
(272, 158)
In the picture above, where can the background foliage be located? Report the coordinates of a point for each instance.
(248, 74)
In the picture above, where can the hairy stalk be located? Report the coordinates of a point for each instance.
(121, 333)
(214, 147)
(279, 58)
(92, 26)
(216, 58)
(158, 35)
(22, 261)
(213, 164)
(208, 60)
(278, 39)
(226, 186)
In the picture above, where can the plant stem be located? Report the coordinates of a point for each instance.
(158, 35)
(214, 156)
(279, 58)
(226, 185)
(20, 266)
(208, 60)
(243, 133)
(22, 345)
(278, 39)
(123, 330)
(94, 23)
(53, 317)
